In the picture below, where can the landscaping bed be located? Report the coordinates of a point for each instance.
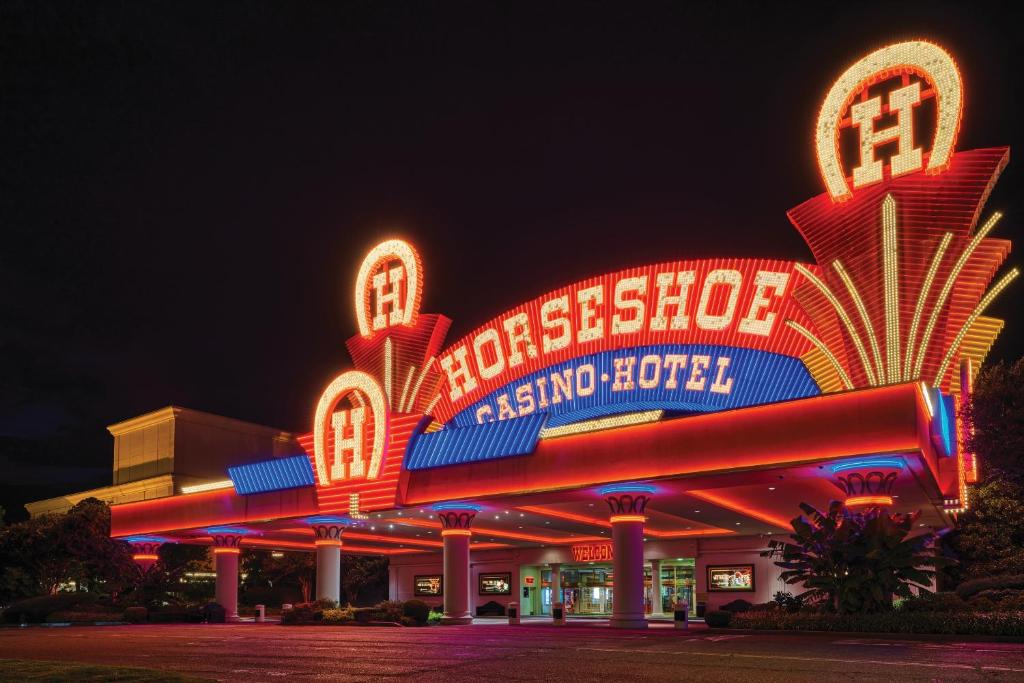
(991, 609)
(956, 623)
(387, 613)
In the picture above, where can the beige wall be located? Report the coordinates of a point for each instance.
(157, 453)
(191, 445)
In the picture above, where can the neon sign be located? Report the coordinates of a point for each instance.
(738, 302)
(680, 377)
(592, 552)
(388, 293)
(919, 58)
(350, 459)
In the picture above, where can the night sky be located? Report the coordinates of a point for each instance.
(188, 188)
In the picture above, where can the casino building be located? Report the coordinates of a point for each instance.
(633, 439)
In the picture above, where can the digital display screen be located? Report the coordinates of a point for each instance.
(429, 585)
(496, 584)
(739, 577)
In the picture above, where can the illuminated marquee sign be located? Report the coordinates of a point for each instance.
(900, 280)
(358, 433)
(389, 287)
(700, 309)
(592, 552)
(919, 58)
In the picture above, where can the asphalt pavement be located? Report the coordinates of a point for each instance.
(270, 652)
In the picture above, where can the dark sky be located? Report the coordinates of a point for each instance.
(188, 187)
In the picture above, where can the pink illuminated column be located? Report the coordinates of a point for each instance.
(328, 558)
(627, 503)
(225, 554)
(456, 519)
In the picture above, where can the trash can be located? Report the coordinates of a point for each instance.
(261, 613)
(681, 615)
(513, 612)
(558, 613)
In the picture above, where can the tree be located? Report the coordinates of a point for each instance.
(43, 553)
(996, 416)
(989, 536)
(361, 575)
(299, 567)
(855, 561)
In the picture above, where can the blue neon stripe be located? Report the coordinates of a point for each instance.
(474, 443)
(456, 506)
(874, 462)
(626, 488)
(272, 475)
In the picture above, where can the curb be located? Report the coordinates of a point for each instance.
(881, 635)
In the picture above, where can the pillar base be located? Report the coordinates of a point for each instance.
(619, 622)
(454, 621)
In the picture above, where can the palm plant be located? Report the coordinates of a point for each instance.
(855, 561)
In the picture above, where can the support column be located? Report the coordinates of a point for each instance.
(556, 582)
(868, 482)
(656, 608)
(225, 554)
(328, 560)
(627, 503)
(456, 520)
(145, 552)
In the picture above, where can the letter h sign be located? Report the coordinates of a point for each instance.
(907, 158)
(392, 297)
(344, 444)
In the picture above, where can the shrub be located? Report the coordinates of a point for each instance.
(417, 610)
(435, 617)
(969, 588)
(337, 616)
(718, 618)
(363, 615)
(305, 613)
(934, 602)
(981, 604)
(788, 601)
(35, 610)
(962, 622)
(389, 610)
(136, 615)
(410, 621)
(737, 606)
(324, 603)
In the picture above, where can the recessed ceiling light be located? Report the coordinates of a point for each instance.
(737, 523)
(520, 526)
(696, 510)
(522, 514)
(547, 522)
(399, 513)
(497, 516)
(391, 526)
(373, 528)
(771, 488)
